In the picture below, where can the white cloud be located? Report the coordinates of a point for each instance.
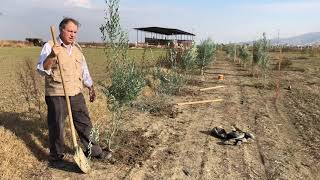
(49, 4)
(283, 7)
(78, 3)
(151, 9)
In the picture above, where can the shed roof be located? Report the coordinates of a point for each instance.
(166, 31)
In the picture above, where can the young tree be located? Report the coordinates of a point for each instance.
(231, 52)
(261, 54)
(127, 79)
(244, 55)
(189, 57)
(115, 39)
(206, 53)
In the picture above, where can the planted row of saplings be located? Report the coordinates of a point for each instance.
(128, 78)
(258, 59)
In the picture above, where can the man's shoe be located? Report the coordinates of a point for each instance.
(57, 161)
(58, 157)
(105, 154)
(57, 164)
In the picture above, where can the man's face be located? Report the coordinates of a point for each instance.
(69, 33)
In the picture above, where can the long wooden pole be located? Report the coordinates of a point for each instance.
(210, 88)
(199, 102)
(73, 133)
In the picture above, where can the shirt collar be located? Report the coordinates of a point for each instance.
(62, 44)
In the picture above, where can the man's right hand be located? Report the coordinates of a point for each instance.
(56, 49)
(51, 59)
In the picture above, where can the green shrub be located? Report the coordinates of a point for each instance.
(244, 55)
(127, 82)
(170, 81)
(261, 54)
(189, 58)
(172, 57)
(170, 60)
(206, 53)
(231, 50)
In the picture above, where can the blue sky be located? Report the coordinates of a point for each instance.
(222, 20)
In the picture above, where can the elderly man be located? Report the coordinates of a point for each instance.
(76, 76)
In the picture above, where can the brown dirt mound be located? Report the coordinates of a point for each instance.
(133, 148)
(158, 106)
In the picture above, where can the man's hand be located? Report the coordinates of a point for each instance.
(56, 49)
(92, 94)
(51, 58)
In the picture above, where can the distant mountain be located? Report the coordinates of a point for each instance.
(304, 39)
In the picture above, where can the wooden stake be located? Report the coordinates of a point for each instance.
(200, 102)
(209, 88)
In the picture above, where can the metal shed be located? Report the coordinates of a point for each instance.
(163, 36)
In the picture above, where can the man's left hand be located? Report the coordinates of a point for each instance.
(92, 94)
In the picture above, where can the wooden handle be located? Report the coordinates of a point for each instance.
(53, 35)
(73, 133)
(209, 88)
(200, 102)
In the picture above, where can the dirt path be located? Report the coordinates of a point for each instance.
(182, 147)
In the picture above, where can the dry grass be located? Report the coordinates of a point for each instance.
(11, 43)
(31, 85)
(17, 161)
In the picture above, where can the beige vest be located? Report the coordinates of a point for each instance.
(72, 73)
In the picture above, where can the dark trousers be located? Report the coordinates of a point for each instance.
(57, 112)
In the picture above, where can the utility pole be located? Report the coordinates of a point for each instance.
(279, 69)
(278, 37)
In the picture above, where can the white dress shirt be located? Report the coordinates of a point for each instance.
(45, 52)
